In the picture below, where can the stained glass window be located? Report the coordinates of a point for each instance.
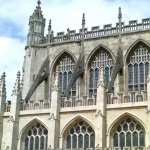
(64, 68)
(36, 138)
(129, 133)
(101, 59)
(138, 67)
(81, 135)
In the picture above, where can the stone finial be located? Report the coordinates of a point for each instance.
(39, 3)
(17, 86)
(83, 21)
(50, 26)
(120, 14)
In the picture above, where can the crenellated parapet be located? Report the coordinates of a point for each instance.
(97, 32)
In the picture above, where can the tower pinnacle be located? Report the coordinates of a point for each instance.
(39, 3)
(83, 21)
(120, 14)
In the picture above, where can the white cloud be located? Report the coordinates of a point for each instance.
(11, 59)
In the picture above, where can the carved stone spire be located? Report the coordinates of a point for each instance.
(50, 32)
(83, 21)
(50, 26)
(17, 86)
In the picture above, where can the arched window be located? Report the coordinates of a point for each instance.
(79, 135)
(138, 67)
(100, 59)
(128, 133)
(64, 68)
(35, 137)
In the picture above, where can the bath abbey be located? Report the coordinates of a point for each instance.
(80, 90)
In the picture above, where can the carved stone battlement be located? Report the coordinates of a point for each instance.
(96, 32)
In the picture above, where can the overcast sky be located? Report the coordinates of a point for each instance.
(14, 16)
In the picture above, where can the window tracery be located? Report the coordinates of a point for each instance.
(129, 133)
(36, 138)
(80, 135)
(100, 59)
(64, 68)
(138, 68)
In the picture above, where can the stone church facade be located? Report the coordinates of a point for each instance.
(41, 117)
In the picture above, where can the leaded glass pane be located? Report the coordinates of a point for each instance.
(42, 142)
(115, 140)
(92, 140)
(31, 143)
(74, 141)
(86, 141)
(107, 72)
(26, 143)
(68, 141)
(128, 139)
(91, 79)
(130, 74)
(80, 141)
(37, 143)
(142, 138)
(122, 139)
(64, 81)
(135, 139)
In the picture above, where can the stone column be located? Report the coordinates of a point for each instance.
(53, 133)
(100, 133)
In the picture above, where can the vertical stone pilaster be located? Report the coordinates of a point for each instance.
(148, 112)
(53, 134)
(13, 120)
(100, 135)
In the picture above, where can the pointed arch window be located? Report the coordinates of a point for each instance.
(138, 67)
(35, 138)
(79, 136)
(64, 68)
(128, 133)
(100, 59)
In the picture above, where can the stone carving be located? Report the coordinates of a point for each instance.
(99, 113)
(11, 119)
(52, 116)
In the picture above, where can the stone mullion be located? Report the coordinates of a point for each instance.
(39, 141)
(139, 75)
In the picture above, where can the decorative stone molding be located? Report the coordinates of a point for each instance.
(99, 113)
(11, 119)
(52, 116)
